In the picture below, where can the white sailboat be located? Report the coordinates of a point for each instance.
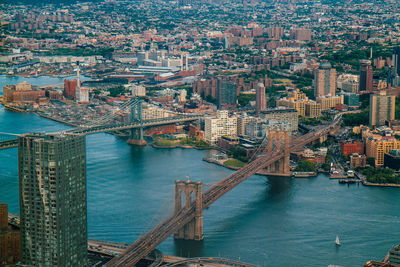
(337, 241)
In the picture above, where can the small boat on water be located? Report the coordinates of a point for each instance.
(337, 242)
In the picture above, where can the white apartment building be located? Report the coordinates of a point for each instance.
(137, 90)
(153, 112)
(221, 125)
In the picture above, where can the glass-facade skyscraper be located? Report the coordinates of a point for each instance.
(52, 193)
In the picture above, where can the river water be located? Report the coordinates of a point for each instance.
(272, 222)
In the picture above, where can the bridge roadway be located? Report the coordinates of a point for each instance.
(145, 244)
(115, 127)
(210, 260)
(8, 143)
(132, 125)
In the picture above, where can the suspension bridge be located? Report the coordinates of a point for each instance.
(187, 221)
(106, 123)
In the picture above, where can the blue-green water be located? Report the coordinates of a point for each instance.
(273, 222)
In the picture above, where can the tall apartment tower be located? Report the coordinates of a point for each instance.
(325, 80)
(382, 108)
(301, 34)
(52, 195)
(275, 32)
(396, 61)
(261, 99)
(226, 93)
(366, 76)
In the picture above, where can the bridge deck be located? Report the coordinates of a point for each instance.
(145, 244)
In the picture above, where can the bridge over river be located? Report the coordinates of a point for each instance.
(191, 213)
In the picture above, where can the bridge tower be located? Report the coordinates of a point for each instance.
(136, 137)
(188, 194)
(279, 140)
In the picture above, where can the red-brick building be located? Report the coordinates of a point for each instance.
(195, 131)
(227, 143)
(10, 248)
(350, 147)
(70, 88)
(357, 161)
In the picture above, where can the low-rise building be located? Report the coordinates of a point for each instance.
(349, 147)
(228, 143)
(392, 159)
(21, 93)
(357, 160)
(328, 102)
(10, 248)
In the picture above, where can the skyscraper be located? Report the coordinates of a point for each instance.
(382, 108)
(226, 93)
(261, 99)
(52, 193)
(366, 76)
(81, 93)
(396, 60)
(325, 80)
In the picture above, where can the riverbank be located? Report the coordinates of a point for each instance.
(304, 174)
(179, 143)
(26, 75)
(11, 107)
(41, 114)
(179, 146)
(364, 181)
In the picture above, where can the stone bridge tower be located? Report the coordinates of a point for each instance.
(188, 194)
(279, 140)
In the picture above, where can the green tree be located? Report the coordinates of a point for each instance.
(305, 166)
(325, 166)
(116, 91)
(244, 99)
(371, 161)
(355, 119)
(239, 153)
(211, 99)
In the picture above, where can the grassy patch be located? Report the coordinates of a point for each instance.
(165, 142)
(234, 163)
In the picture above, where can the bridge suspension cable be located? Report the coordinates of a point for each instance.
(12, 134)
(145, 244)
(111, 115)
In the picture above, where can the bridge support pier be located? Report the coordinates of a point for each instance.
(323, 138)
(187, 195)
(136, 137)
(279, 140)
